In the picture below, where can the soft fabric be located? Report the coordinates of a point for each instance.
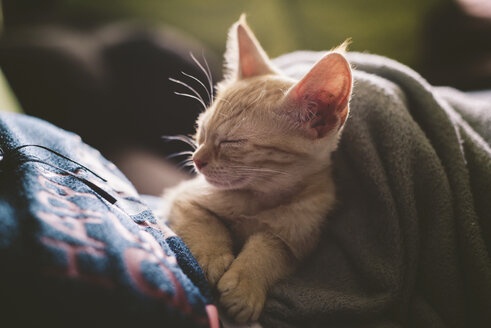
(408, 243)
(82, 249)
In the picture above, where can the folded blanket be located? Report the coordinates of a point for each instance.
(409, 241)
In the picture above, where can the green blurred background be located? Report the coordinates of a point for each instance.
(389, 27)
(447, 41)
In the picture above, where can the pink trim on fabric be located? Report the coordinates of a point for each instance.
(212, 312)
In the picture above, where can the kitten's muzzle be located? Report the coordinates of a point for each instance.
(200, 164)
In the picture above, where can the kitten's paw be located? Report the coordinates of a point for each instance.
(242, 299)
(215, 265)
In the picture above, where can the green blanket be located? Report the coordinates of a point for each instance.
(409, 242)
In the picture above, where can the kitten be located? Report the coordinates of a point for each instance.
(264, 185)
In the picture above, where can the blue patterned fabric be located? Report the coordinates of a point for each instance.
(77, 253)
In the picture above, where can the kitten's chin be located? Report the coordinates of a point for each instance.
(228, 183)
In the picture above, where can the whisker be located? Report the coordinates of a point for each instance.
(182, 138)
(189, 87)
(194, 170)
(258, 170)
(208, 76)
(191, 96)
(209, 73)
(210, 97)
(261, 170)
(222, 99)
(187, 152)
(184, 163)
(189, 168)
(179, 137)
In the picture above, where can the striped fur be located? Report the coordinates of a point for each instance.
(264, 187)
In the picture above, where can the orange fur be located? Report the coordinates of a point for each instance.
(265, 186)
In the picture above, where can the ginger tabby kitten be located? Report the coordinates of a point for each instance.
(264, 186)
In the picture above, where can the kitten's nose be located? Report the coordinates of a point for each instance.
(199, 164)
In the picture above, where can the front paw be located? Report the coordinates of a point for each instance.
(214, 265)
(241, 297)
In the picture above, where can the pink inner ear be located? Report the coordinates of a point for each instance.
(322, 96)
(252, 59)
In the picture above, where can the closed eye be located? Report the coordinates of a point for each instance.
(232, 142)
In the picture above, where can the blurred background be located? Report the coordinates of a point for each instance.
(100, 68)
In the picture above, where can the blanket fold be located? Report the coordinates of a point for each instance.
(409, 241)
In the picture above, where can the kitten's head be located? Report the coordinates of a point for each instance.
(266, 131)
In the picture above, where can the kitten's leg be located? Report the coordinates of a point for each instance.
(263, 260)
(206, 236)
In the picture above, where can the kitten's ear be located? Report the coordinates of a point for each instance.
(244, 56)
(319, 102)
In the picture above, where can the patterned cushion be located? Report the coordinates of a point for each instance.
(78, 246)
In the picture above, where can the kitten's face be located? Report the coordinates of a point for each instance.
(267, 132)
(242, 141)
(249, 139)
